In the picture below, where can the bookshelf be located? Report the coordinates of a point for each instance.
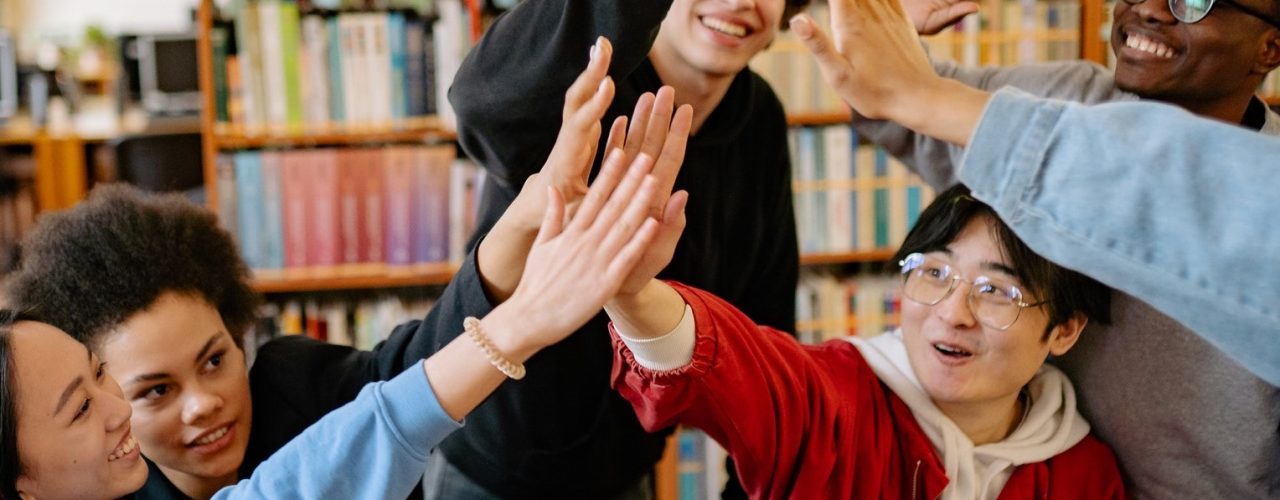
(391, 48)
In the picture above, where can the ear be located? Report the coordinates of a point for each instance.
(1269, 52)
(1064, 336)
(23, 485)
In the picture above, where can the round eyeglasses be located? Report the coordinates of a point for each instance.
(994, 302)
(1192, 11)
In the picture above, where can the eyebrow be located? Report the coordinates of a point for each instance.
(147, 377)
(71, 388)
(996, 266)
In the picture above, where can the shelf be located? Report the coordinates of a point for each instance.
(812, 259)
(352, 277)
(817, 119)
(1271, 100)
(419, 129)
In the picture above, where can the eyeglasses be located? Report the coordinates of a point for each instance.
(1192, 11)
(994, 302)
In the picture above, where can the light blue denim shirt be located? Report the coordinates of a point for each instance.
(1150, 200)
(374, 447)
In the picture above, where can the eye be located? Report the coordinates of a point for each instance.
(84, 409)
(156, 392)
(994, 292)
(935, 272)
(102, 370)
(214, 361)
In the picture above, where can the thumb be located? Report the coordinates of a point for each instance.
(943, 18)
(835, 68)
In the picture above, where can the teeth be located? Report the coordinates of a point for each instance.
(725, 27)
(1149, 46)
(949, 350)
(125, 448)
(216, 435)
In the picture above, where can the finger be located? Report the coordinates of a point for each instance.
(611, 173)
(639, 122)
(553, 219)
(617, 134)
(628, 220)
(621, 197)
(835, 69)
(667, 167)
(626, 259)
(589, 80)
(659, 121)
(673, 213)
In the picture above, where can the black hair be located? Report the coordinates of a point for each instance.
(792, 8)
(1065, 292)
(89, 268)
(10, 460)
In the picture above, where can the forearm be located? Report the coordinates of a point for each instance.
(1174, 218)
(651, 313)
(944, 109)
(463, 376)
(501, 256)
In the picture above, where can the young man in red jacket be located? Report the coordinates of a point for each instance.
(957, 404)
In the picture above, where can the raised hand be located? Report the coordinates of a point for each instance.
(932, 16)
(575, 267)
(875, 57)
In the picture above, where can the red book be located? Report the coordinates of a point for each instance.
(324, 228)
(295, 191)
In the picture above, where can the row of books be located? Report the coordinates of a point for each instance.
(277, 67)
(1004, 32)
(1008, 32)
(347, 211)
(850, 196)
(356, 320)
(831, 306)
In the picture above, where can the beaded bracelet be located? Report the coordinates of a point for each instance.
(511, 369)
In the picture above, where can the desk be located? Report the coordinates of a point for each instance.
(61, 176)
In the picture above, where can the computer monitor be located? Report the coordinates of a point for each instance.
(8, 76)
(170, 82)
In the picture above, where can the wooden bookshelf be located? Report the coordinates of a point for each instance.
(814, 259)
(353, 278)
(1272, 100)
(818, 119)
(409, 130)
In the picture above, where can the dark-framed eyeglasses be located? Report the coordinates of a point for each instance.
(994, 302)
(1192, 11)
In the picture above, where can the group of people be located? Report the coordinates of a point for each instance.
(644, 277)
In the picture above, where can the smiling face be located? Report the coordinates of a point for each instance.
(958, 360)
(74, 438)
(717, 38)
(1224, 55)
(189, 388)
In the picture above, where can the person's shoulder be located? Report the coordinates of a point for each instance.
(1091, 464)
(765, 101)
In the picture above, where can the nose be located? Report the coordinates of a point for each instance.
(118, 410)
(199, 405)
(954, 308)
(1153, 11)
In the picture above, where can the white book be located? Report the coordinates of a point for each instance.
(315, 70)
(272, 63)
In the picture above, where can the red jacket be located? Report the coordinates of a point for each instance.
(814, 422)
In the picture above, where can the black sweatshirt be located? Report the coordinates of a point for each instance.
(562, 431)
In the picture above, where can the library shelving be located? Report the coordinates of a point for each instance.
(345, 46)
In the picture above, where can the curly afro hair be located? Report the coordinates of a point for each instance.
(89, 268)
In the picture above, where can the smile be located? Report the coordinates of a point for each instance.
(125, 448)
(951, 351)
(724, 27)
(1144, 44)
(212, 436)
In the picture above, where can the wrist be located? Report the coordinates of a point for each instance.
(510, 334)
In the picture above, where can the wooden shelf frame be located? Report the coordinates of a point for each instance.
(358, 277)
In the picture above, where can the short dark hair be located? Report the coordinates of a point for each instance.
(87, 269)
(10, 460)
(1065, 292)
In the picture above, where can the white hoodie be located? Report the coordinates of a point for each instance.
(1052, 424)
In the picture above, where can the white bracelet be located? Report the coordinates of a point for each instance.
(511, 369)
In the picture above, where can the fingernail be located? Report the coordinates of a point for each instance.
(801, 26)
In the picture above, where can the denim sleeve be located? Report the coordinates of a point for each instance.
(375, 447)
(1148, 199)
(936, 160)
